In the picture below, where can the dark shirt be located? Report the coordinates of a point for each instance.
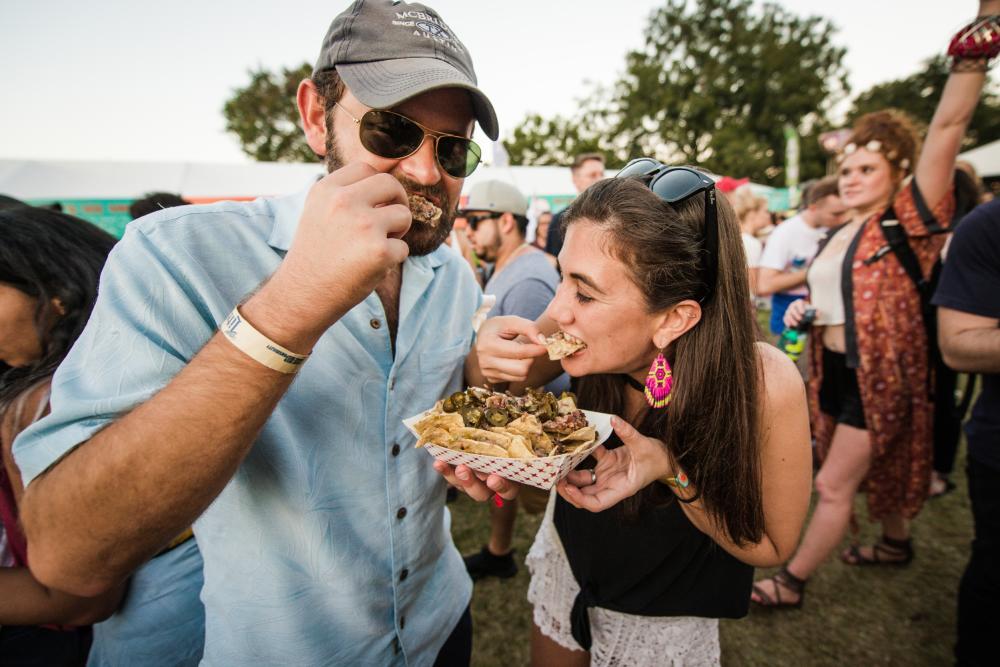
(970, 283)
(554, 239)
(656, 563)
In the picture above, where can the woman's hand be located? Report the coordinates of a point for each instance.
(796, 310)
(620, 473)
(506, 347)
(479, 486)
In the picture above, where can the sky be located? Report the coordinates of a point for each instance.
(134, 80)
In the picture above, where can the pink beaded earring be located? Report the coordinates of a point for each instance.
(659, 382)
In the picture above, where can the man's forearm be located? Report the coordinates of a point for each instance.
(972, 350)
(770, 281)
(120, 497)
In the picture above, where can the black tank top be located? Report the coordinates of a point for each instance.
(656, 563)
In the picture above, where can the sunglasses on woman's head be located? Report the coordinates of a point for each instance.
(674, 185)
(394, 136)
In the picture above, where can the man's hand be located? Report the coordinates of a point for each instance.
(348, 238)
(620, 473)
(479, 486)
(506, 348)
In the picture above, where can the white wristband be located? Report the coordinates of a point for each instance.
(259, 347)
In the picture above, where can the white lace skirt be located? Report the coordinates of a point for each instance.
(618, 639)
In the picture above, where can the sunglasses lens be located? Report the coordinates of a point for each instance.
(457, 156)
(389, 135)
(638, 167)
(678, 184)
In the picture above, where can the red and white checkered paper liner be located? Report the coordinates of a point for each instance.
(541, 472)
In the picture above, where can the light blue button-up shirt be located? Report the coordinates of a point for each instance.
(330, 545)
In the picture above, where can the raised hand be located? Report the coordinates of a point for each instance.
(348, 238)
(506, 347)
(620, 473)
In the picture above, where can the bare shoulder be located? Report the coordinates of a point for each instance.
(781, 383)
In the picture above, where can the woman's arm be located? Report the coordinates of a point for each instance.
(23, 599)
(786, 469)
(936, 165)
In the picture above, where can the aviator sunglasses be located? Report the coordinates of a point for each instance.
(673, 185)
(394, 136)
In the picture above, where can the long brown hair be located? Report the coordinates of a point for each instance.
(711, 425)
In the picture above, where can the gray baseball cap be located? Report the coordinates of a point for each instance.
(496, 197)
(388, 51)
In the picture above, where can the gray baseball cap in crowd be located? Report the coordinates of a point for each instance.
(388, 51)
(496, 197)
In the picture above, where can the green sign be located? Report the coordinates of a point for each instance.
(111, 215)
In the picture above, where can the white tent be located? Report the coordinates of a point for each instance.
(67, 179)
(985, 158)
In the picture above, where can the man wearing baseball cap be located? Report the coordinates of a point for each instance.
(323, 529)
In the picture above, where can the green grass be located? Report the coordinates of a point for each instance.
(851, 615)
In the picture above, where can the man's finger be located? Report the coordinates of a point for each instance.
(380, 189)
(396, 220)
(349, 174)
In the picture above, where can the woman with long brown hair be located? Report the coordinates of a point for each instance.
(870, 385)
(641, 552)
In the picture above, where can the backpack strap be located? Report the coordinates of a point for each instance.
(926, 216)
(898, 243)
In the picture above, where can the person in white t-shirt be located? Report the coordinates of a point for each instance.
(751, 209)
(792, 245)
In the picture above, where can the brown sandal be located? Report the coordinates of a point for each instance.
(781, 579)
(887, 551)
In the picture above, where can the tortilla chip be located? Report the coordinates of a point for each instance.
(525, 425)
(581, 434)
(436, 436)
(478, 434)
(445, 420)
(485, 448)
(561, 345)
(424, 210)
(518, 448)
(542, 444)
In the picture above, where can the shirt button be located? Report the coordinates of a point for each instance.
(395, 450)
(375, 324)
(402, 622)
(401, 513)
(404, 574)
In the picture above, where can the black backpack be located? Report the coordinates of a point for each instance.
(948, 412)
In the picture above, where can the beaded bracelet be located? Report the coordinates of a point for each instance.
(974, 46)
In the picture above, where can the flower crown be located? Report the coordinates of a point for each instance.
(874, 146)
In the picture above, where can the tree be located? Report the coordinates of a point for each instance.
(557, 140)
(714, 84)
(265, 119)
(918, 95)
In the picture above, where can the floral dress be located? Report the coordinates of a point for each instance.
(887, 344)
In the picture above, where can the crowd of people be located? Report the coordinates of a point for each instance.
(203, 451)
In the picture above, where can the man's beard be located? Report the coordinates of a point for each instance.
(421, 238)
